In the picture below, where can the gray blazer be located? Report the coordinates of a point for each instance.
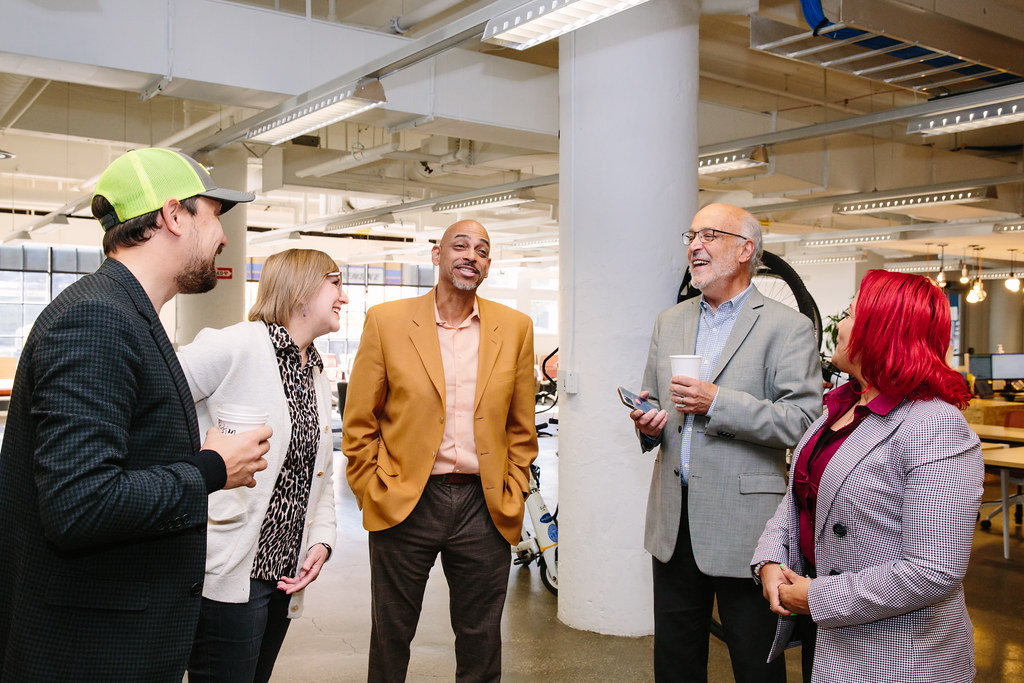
(893, 529)
(769, 381)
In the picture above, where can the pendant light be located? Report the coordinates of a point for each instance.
(1013, 282)
(977, 293)
(940, 277)
(965, 277)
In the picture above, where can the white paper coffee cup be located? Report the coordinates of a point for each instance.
(234, 419)
(687, 366)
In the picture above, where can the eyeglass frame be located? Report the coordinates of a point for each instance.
(340, 278)
(687, 239)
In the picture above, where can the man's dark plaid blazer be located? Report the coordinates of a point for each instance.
(102, 517)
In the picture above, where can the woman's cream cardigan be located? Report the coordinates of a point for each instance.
(238, 365)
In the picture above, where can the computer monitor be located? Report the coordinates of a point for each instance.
(1008, 366)
(980, 366)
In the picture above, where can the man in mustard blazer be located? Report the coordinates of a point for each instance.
(439, 433)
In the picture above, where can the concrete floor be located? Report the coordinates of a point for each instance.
(330, 641)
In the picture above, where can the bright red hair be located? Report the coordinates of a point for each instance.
(901, 330)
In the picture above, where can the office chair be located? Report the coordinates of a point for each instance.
(1013, 418)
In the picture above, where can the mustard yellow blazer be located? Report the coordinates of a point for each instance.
(395, 411)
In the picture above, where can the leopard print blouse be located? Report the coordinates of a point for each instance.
(281, 533)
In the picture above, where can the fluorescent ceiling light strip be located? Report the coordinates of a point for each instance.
(852, 239)
(828, 259)
(368, 222)
(537, 242)
(1010, 227)
(490, 201)
(752, 157)
(273, 237)
(997, 114)
(909, 269)
(961, 196)
(539, 20)
(343, 104)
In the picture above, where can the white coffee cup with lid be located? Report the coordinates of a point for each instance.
(235, 418)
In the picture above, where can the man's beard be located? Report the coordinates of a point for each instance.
(465, 286)
(198, 276)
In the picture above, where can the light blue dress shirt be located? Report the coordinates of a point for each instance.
(712, 333)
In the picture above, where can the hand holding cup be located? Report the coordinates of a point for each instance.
(241, 439)
(691, 395)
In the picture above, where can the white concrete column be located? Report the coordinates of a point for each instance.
(628, 151)
(225, 305)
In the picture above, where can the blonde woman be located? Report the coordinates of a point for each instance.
(267, 543)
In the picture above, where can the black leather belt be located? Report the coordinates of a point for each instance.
(455, 478)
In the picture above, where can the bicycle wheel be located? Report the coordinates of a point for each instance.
(547, 578)
(777, 280)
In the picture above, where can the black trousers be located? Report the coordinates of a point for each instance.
(683, 602)
(239, 642)
(451, 520)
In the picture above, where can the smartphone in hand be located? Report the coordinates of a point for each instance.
(634, 402)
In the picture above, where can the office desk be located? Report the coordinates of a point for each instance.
(989, 411)
(1007, 435)
(1004, 459)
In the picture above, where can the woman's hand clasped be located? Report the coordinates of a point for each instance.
(793, 593)
(784, 589)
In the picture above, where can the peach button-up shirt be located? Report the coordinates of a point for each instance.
(460, 355)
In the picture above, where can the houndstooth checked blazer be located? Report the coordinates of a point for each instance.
(893, 527)
(103, 537)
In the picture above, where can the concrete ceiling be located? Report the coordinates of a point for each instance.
(66, 121)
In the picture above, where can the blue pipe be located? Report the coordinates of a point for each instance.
(815, 17)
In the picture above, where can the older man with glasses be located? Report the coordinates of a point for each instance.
(722, 439)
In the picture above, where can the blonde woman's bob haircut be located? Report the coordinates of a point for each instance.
(289, 278)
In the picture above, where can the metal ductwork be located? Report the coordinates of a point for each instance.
(896, 44)
(17, 93)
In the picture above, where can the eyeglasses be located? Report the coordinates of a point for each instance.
(708, 235)
(337, 274)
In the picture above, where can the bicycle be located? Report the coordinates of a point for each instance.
(541, 545)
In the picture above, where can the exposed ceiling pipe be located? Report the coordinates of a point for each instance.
(426, 11)
(13, 88)
(171, 140)
(321, 223)
(197, 127)
(777, 92)
(821, 130)
(434, 43)
(355, 159)
(884, 194)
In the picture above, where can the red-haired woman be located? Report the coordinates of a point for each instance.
(870, 545)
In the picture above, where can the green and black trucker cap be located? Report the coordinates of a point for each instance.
(141, 181)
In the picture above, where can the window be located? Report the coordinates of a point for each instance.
(31, 276)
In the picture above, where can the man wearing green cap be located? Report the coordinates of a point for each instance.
(103, 482)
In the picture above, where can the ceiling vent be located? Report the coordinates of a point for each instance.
(895, 44)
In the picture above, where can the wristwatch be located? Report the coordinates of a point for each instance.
(329, 550)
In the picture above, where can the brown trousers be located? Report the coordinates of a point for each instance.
(451, 520)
